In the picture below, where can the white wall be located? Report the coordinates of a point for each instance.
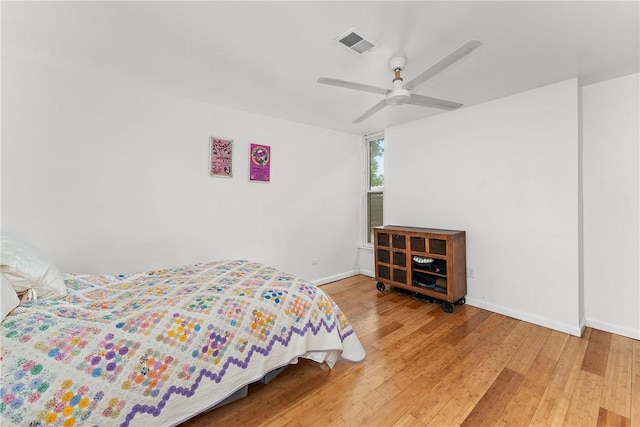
(107, 176)
(506, 172)
(366, 261)
(611, 198)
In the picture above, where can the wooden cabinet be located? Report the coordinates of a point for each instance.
(430, 262)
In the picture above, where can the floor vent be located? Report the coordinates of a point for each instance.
(355, 41)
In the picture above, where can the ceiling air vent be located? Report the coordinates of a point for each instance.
(356, 41)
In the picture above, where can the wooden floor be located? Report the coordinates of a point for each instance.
(427, 367)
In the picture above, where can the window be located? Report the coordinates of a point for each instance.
(375, 182)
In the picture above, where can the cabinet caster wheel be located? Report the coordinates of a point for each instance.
(380, 286)
(448, 307)
(461, 301)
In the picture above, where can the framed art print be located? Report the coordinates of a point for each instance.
(260, 163)
(220, 157)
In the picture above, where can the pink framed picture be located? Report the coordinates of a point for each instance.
(220, 157)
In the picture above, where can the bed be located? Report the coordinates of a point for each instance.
(159, 347)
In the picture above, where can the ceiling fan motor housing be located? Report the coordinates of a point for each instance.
(398, 95)
(397, 63)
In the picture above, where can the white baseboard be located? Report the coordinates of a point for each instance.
(614, 329)
(527, 317)
(583, 324)
(330, 279)
(368, 273)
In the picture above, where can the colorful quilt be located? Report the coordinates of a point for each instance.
(158, 347)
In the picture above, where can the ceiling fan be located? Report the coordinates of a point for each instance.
(402, 93)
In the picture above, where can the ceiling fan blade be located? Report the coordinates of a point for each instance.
(371, 111)
(449, 60)
(352, 85)
(427, 101)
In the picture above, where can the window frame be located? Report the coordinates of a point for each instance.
(367, 139)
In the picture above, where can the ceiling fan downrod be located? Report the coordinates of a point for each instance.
(398, 95)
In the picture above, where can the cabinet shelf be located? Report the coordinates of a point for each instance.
(427, 271)
(395, 247)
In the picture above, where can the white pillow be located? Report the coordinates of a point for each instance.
(26, 268)
(9, 300)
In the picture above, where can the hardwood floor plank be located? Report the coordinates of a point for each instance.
(529, 349)
(355, 415)
(451, 368)
(635, 384)
(493, 403)
(382, 331)
(389, 412)
(616, 393)
(554, 345)
(583, 411)
(462, 360)
(435, 349)
(295, 383)
(464, 393)
(408, 420)
(331, 400)
(595, 358)
(554, 404)
(609, 418)
(439, 365)
(281, 421)
(428, 367)
(526, 399)
(412, 322)
(442, 321)
(459, 333)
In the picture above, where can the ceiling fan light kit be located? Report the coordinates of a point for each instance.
(402, 93)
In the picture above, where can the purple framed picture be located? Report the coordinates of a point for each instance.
(260, 163)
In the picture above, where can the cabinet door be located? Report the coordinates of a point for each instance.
(399, 259)
(383, 272)
(437, 246)
(400, 276)
(399, 241)
(383, 239)
(418, 244)
(384, 255)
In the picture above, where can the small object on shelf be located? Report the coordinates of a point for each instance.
(428, 262)
(422, 260)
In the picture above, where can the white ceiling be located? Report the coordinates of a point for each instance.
(265, 57)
